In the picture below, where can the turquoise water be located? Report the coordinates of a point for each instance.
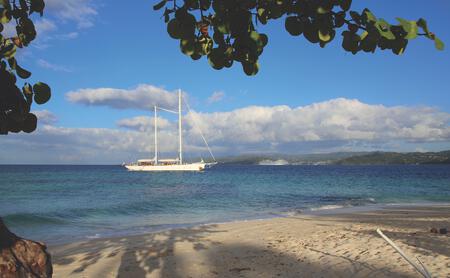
(57, 204)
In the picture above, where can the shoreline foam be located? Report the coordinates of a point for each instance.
(322, 210)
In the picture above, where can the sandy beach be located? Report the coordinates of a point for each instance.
(333, 245)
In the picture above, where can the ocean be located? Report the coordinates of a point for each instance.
(61, 204)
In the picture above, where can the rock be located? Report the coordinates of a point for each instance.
(443, 231)
(21, 257)
(433, 230)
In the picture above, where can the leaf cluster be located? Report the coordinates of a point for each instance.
(15, 103)
(226, 30)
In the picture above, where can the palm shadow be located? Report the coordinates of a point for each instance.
(154, 255)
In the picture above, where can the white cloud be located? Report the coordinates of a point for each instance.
(143, 123)
(80, 11)
(52, 144)
(143, 97)
(334, 125)
(45, 117)
(216, 97)
(68, 36)
(47, 65)
(333, 120)
(44, 26)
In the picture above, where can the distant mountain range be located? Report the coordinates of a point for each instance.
(343, 158)
(384, 158)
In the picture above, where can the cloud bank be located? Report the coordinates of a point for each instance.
(333, 125)
(143, 97)
(336, 119)
(144, 123)
(45, 117)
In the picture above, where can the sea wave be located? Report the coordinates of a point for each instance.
(268, 162)
(347, 203)
(75, 215)
(31, 219)
(327, 207)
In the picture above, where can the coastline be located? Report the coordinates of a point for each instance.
(339, 242)
(322, 210)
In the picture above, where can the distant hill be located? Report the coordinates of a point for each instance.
(342, 158)
(386, 158)
(300, 159)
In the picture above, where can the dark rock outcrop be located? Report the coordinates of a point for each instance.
(21, 257)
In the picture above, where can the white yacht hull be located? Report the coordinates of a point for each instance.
(174, 167)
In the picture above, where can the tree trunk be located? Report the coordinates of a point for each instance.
(21, 257)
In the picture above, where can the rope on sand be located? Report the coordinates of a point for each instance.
(421, 269)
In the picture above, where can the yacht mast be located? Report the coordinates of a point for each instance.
(156, 138)
(180, 155)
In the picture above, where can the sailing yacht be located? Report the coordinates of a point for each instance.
(177, 164)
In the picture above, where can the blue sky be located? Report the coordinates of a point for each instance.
(108, 44)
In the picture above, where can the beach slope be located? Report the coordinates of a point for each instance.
(336, 245)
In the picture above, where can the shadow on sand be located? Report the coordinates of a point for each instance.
(191, 253)
(414, 233)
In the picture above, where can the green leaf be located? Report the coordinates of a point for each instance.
(345, 4)
(370, 16)
(364, 35)
(206, 44)
(263, 39)
(322, 10)
(262, 15)
(167, 12)
(293, 25)
(8, 51)
(399, 46)
(356, 17)
(311, 33)
(423, 24)
(339, 19)
(223, 28)
(30, 123)
(42, 93)
(37, 6)
(12, 63)
(159, 5)
(250, 69)
(412, 34)
(5, 16)
(196, 56)
(174, 29)
(410, 28)
(260, 11)
(187, 47)
(438, 44)
(23, 5)
(350, 41)
(384, 29)
(324, 37)
(27, 89)
(22, 73)
(216, 59)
